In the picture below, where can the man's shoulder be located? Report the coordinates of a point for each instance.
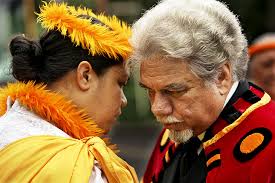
(264, 115)
(249, 145)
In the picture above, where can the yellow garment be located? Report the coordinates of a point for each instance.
(51, 106)
(51, 159)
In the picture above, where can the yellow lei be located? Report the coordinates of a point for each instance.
(54, 159)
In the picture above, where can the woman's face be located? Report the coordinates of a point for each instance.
(106, 100)
(101, 96)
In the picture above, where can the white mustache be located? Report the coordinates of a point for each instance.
(168, 119)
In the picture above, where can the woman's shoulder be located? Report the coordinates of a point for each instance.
(18, 122)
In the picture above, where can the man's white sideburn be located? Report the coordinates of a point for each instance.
(181, 136)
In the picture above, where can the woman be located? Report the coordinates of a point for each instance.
(69, 94)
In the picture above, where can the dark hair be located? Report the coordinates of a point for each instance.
(51, 58)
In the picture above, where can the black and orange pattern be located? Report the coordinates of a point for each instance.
(213, 159)
(252, 143)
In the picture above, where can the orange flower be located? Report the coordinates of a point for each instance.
(110, 40)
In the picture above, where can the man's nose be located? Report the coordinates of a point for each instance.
(160, 105)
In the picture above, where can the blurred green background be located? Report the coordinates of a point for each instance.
(137, 131)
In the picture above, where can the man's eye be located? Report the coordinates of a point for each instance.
(174, 93)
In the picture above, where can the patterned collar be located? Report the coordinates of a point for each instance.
(245, 95)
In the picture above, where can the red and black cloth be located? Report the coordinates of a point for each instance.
(245, 154)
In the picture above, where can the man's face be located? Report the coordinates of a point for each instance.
(262, 71)
(179, 99)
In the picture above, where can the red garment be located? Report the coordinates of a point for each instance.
(157, 161)
(245, 154)
(258, 166)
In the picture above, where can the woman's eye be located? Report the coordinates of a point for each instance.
(122, 84)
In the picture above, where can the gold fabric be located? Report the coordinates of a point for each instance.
(54, 159)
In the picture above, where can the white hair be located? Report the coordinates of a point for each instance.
(179, 136)
(204, 33)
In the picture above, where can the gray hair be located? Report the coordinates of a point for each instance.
(202, 32)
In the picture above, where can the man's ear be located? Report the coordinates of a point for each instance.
(85, 75)
(224, 80)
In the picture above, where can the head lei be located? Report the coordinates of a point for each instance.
(99, 34)
(260, 47)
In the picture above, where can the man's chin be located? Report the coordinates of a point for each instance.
(181, 136)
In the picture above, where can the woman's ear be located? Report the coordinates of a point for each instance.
(224, 80)
(85, 75)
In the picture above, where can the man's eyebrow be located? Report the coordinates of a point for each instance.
(143, 85)
(175, 86)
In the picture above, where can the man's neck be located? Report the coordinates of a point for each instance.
(231, 92)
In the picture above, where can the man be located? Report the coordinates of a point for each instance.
(192, 58)
(261, 68)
